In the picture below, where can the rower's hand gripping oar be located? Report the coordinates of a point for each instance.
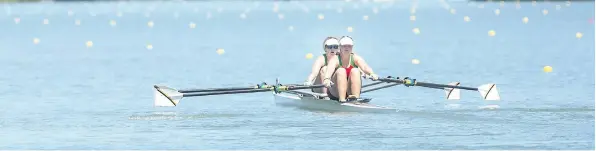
(452, 90)
(167, 97)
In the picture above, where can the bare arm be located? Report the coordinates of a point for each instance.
(316, 67)
(363, 66)
(331, 64)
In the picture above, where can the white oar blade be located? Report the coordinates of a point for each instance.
(451, 93)
(489, 92)
(166, 97)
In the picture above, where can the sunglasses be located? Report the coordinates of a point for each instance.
(332, 46)
(346, 47)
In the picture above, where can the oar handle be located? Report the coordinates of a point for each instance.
(430, 85)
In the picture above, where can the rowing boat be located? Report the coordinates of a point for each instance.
(291, 96)
(303, 100)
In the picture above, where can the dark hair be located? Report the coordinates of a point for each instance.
(326, 41)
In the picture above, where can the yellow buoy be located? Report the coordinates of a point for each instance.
(525, 20)
(308, 56)
(192, 25)
(36, 41)
(413, 18)
(321, 16)
(547, 69)
(112, 23)
(416, 31)
(497, 12)
(415, 61)
(149, 46)
(89, 44)
(220, 51)
(150, 24)
(544, 11)
(350, 29)
(365, 18)
(492, 33)
(466, 18)
(578, 35)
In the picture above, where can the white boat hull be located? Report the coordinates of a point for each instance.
(312, 103)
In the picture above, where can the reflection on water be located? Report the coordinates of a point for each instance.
(179, 116)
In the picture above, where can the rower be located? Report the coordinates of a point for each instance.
(347, 78)
(330, 48)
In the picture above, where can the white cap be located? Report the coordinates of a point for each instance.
(346, 41)
(331, 41)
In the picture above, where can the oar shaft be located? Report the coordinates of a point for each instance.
(276, 88)
(224, 92)
(371, 84)
(431, 85)
(378, 88)
(217, 89)
(445, 86)
(297, 87)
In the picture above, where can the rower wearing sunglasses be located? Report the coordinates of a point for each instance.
(331, 47)
(346, 83)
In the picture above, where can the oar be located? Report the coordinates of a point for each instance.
(378, 88)
(269, 88)
(376, 83)
(371, 84)
(258, 86)
(487, 91)
(165, 96)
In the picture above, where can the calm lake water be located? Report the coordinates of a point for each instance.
(82, 79)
